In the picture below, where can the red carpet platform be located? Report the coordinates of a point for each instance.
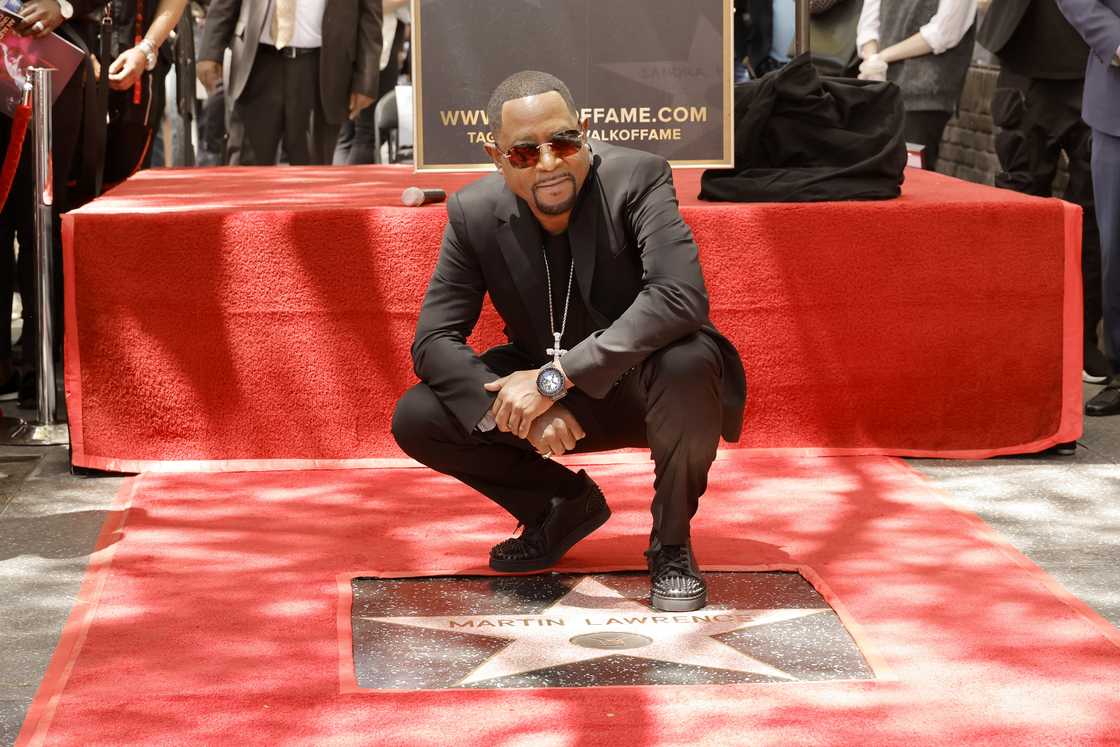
(211, 615)
(261, 318)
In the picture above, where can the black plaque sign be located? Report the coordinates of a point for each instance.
(650, 74)
(559, 630)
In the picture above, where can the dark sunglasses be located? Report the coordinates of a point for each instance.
(562, 145)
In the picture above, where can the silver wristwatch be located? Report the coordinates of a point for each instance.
(149, 51)
(550, 381)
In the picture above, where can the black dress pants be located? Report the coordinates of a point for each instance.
(669, 403)
(926, 128)
(1038, 120)
(281, 101)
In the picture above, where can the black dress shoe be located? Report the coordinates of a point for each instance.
(1107, 401)
(567, 522)
(675, 581)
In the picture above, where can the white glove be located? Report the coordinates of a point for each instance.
(873, 68)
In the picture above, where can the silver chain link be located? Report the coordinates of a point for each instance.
(567, 298)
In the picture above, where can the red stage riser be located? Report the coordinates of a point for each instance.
(207, 323)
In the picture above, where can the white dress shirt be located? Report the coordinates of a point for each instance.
(389, 23)
(943, 32)
(309, 24)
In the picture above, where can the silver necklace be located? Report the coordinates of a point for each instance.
(557, 351)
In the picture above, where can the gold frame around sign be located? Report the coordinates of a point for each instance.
(728, 159)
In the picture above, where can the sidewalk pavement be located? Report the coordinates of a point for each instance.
(1061, 511)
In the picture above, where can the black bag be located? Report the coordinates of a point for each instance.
(803, 138)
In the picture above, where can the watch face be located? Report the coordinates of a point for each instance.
(550, 382)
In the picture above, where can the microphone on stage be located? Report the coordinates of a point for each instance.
(415, 196)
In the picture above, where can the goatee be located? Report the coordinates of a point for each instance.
(557, 208)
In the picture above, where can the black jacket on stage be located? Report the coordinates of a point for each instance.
(1000, 22)
(1033, 38)
(800, 137)
(638, 274)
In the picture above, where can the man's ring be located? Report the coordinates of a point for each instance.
(38, 27)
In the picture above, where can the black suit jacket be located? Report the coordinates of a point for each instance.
(637, 268)
(1000, 22)
(349, 60)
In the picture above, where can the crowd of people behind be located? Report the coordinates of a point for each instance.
(301, 88)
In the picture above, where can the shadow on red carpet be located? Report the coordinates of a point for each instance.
(210, 616)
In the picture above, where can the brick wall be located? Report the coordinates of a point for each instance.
(967, 149)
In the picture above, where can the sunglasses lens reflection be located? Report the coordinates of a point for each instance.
(526, 156)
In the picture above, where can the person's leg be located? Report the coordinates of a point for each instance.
(501, 466)
(1076, 140)
(257, 119)
(671, 402)
(678, 391)
(682, 422)
(9, 376)
(925, 128)
(301, 96)
(1009, 103)
(504, 468)
(345, 144)
(323, 138)
(1106, 188)
(15, 210)
(361, 151)
(212, 129)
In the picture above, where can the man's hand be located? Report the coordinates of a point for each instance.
(358, 101)
(127, 69)
(555, 432)
(209, 74)
(45, 12)
(518, 403)
(873, 68)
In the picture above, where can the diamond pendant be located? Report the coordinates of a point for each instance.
(556, 351)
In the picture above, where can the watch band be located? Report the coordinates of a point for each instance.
(149, 49)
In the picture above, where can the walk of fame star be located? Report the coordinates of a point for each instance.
(593, 621)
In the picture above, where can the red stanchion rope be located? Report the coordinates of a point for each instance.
(20, 119)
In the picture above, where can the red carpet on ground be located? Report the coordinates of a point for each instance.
(211, 616)
(261, 318)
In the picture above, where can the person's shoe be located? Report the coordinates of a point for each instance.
(1107, 401)
(9, 390)
(1095, 366)
(567, 522)
(675, 583)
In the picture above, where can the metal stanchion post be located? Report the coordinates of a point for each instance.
(44, 431)
(802, 26)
